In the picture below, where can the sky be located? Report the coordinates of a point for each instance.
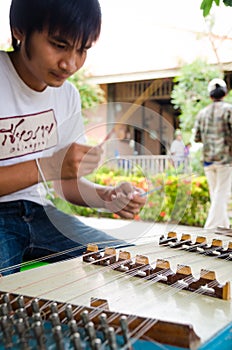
(186, 13)
(148, 35)
(145, 33)
(4, 20)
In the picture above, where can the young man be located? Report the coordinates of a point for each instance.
(42, 135)
(213, 128)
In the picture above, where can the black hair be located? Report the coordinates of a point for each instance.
(78, 20)
(219, 92)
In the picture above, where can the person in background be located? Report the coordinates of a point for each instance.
(178, 150)
(42, 136)
(187, 149)
(213, 127)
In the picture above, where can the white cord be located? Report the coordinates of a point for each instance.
(43, 178)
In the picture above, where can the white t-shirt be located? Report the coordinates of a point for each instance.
(35, 124)
(177, 149)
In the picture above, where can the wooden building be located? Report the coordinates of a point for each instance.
(135, 62)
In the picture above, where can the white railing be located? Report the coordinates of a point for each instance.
(150, 164)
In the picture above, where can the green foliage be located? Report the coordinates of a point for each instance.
(198, 205)
(91, 94)
(182, 199)
(190, 93)
(196, 162)
(206, 5)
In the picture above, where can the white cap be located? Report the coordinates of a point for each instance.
(213, 84)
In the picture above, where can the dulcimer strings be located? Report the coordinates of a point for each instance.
(136, 334)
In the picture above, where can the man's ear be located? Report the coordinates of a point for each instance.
(18, 34)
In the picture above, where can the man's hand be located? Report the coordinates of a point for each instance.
(71, 162)
(125, 200)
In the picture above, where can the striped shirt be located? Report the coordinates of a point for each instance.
(213, 127)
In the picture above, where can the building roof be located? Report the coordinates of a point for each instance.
(152, 39)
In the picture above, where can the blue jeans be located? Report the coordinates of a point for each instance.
(30, 231)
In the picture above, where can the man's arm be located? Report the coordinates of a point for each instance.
(124, 199)
(18, 176)
(82, 192)
(69, 163)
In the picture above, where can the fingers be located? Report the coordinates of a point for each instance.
(87, 160)
(72, 162)
(81, 160)
(127, 201)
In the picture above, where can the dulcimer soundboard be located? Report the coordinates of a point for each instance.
(169, 290)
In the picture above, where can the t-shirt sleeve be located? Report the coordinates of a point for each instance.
(72, 127)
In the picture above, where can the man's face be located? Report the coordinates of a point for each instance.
(51, 59)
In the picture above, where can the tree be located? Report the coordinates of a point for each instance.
(91, 94)
(207, 4)
(190, 94)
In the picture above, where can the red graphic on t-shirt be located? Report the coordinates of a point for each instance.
(22, 135)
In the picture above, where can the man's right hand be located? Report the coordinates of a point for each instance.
(72, 162)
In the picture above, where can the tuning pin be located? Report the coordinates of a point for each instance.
(85, 317)
(58, 337)
(125, 330)
(112, 339)
(4, 311)
(7, 330)
(68, 312)
(6, 300)
(55, 320)
(22, 333)
(97, 344)
(39, 335)
(20, 302)
(22, 314)
(73, 326)
(35, 306)
(36, 317)
(54, 308)
(104, 325)
(90, 330)
(36, 314)
(76, 341)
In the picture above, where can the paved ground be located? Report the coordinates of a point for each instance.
(138, 231)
